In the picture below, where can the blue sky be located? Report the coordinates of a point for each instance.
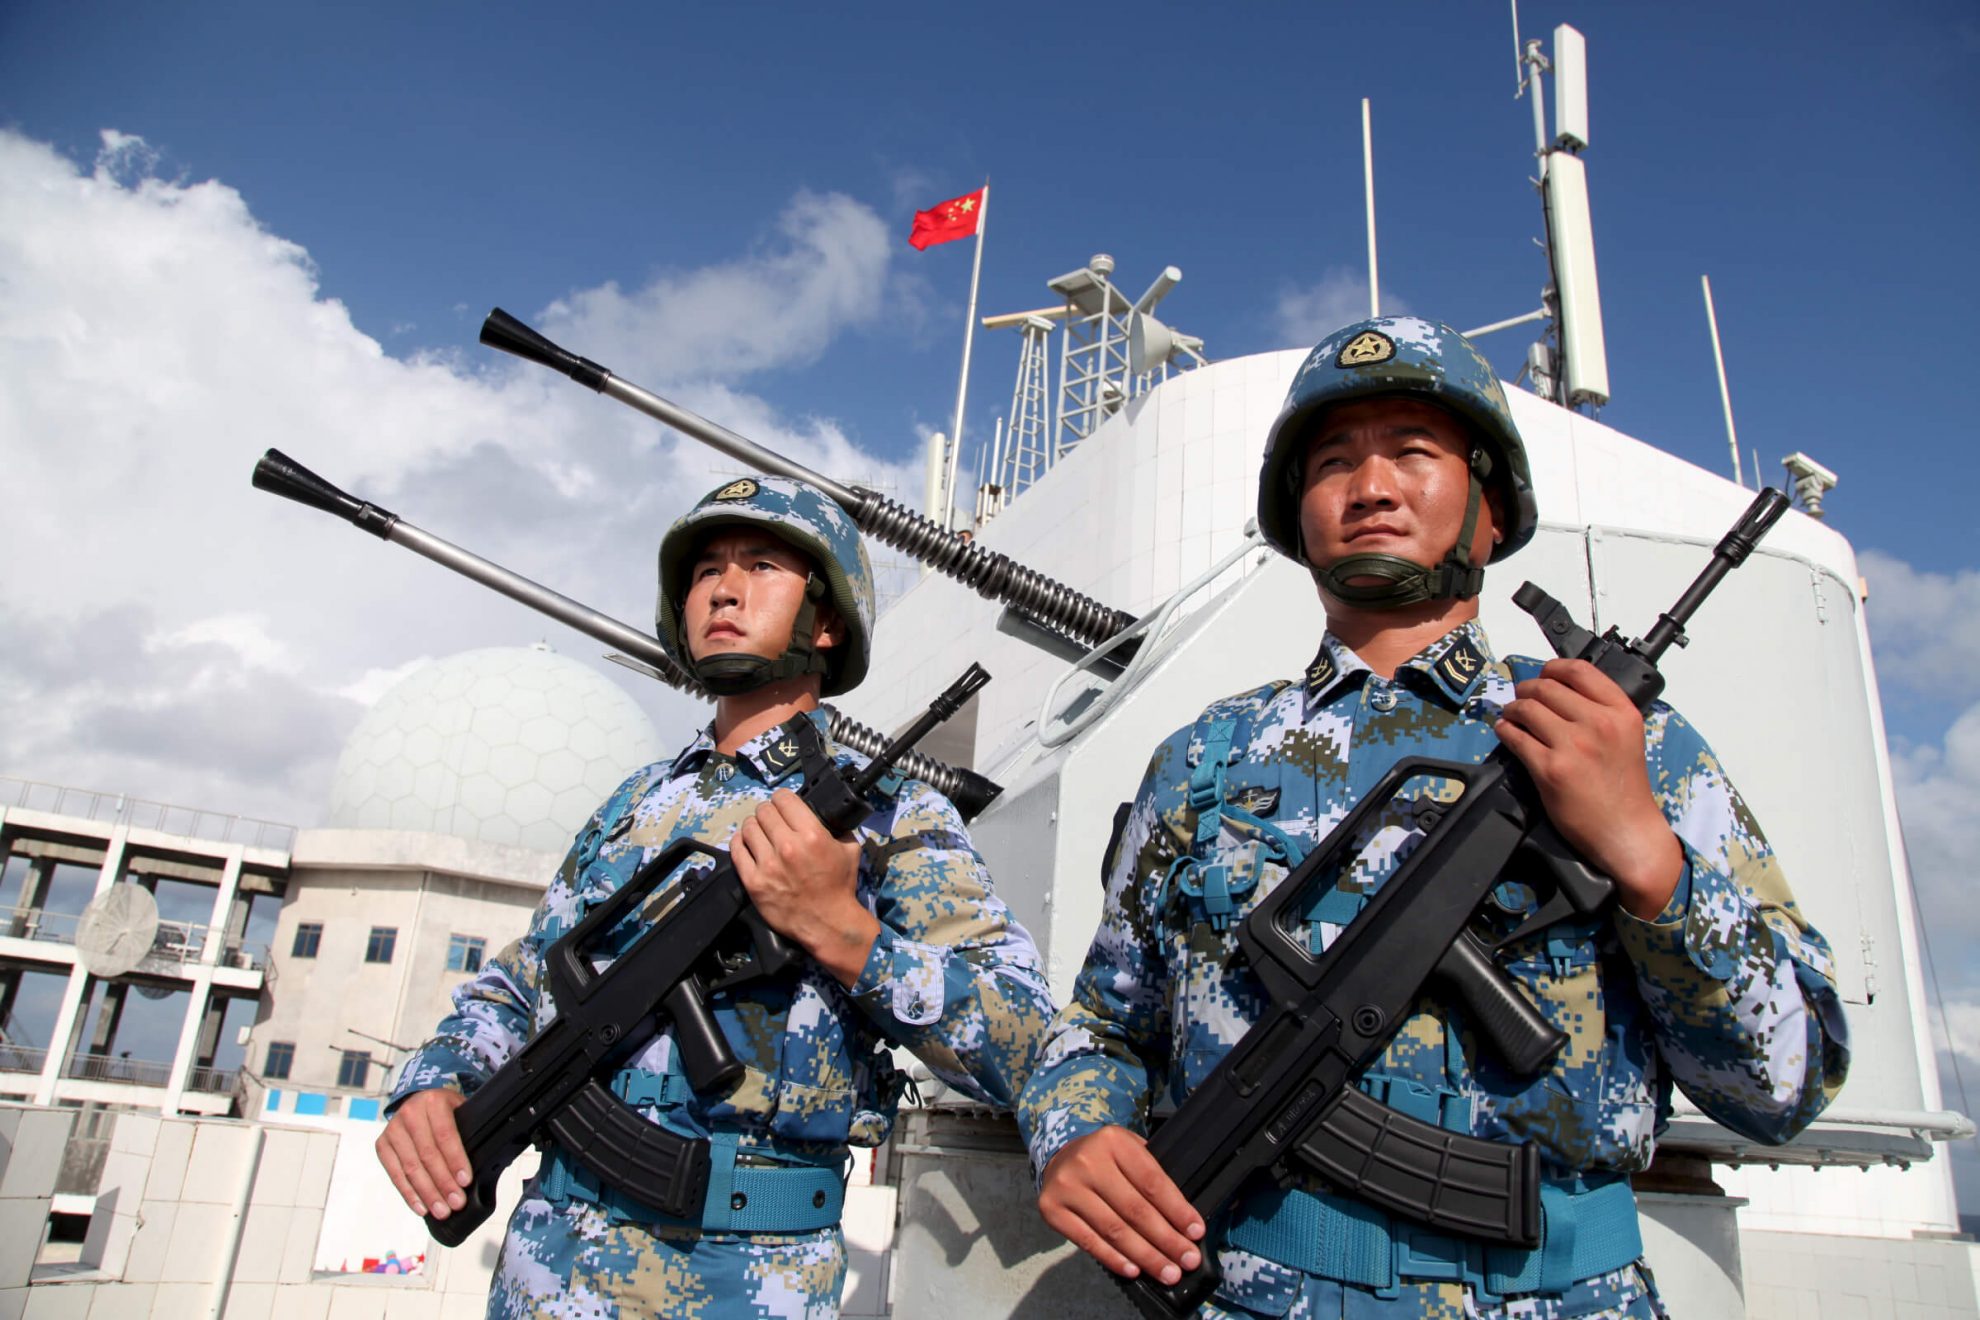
(658, 181)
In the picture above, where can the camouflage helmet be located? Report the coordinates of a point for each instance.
(1395, 355)
(809, 521)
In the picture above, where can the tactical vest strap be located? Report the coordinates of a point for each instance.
(1223, 742)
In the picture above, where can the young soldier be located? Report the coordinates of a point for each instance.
(1392, 473)
(765, 591)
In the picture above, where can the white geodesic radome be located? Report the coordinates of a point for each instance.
(508, 745)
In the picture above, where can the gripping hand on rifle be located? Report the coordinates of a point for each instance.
(1582, 741)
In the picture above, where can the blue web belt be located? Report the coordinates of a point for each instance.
(742, 1198)
(1588, 1227)
(797, 1197)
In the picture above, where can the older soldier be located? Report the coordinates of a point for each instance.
(1393, 473)
(766, 592)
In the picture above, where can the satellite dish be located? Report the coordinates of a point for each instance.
(116, 930)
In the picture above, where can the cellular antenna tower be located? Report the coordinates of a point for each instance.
(1570, 363)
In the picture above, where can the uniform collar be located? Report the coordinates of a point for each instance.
(1454, 665)
(772, 756)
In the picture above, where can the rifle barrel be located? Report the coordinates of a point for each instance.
(989, 573)
(1730, 553)
(282, 475)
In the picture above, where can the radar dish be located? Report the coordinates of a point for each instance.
(116, 930)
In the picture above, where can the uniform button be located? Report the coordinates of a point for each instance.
(1384, 701)
(725, 773)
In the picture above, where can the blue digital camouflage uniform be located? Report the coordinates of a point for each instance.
(1728, 993)
(952, 976)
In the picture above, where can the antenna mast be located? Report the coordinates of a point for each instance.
(1725, 394)
(1368, 186)
(1574, 369)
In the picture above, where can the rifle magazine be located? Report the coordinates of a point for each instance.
(642, 1160)
(1447, 1180)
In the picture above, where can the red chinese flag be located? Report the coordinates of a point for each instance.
(955, 218)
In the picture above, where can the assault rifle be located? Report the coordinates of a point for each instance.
(705, 938)
(1284, 1100)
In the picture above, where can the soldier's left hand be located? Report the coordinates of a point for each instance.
(1582, 741)
(805, 882)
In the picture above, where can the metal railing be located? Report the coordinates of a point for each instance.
(214, 1081)
(141, 813)
(106, 1068)
(176, 943)
(33, 923)
(22, 1058)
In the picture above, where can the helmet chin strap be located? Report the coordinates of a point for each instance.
(730, 675)
(1400, 582)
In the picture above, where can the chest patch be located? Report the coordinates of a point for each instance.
(1257, 800)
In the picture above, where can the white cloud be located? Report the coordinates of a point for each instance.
(779, 306)
(1306, 315)
(1925, 626)
(173, 633)
(1938, 791)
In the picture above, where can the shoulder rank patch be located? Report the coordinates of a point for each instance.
(780, 756)
(1321, 671)
(1460, 665)
(1365, 350)
(736, 490)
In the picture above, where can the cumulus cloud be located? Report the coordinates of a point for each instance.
(1306, 314)
(1925, 626)
(173, 633)
(823, 270)
(1938, 790)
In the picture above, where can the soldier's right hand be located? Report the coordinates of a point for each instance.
(1110, 1198)
(421, 1148)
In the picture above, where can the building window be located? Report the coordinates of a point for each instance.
(308, 935)
(378, 948)
(354, 1070)
(281, 1055)
(464, 953)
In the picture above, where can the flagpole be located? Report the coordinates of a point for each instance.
(962, 385)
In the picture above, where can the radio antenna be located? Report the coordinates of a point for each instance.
(1368, 186)
(1725, 394)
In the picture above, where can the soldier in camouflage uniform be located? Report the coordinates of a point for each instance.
(766, 592)
(1394, 471)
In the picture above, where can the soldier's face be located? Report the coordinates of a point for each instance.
(744, 593)
(1388, 476)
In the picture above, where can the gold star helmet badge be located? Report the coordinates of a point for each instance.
(1366, 349)
(736, 490)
